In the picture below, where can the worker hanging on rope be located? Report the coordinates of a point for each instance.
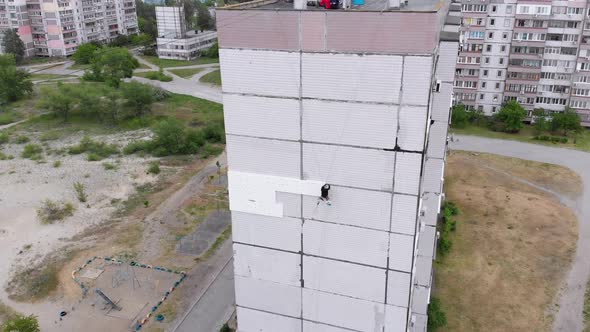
(324, 197)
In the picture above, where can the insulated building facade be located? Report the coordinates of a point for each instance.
(58, 27)
(336, 125)
(536, 53)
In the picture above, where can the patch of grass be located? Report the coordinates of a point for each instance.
(21, 139)
(210, 150)
(154, 168)
(218, 242)
(80, 192)
(51, 135)
(32, 151)
(4, 137)
(95, 150)
(436, 316)
(109, 166)
(79, 67)
(166, 63)
(131, 236)
(154, 76)
(186, 73)
(527, 134)
(213, 77)
(42, 77)
(52, 211)
(587, 308)
(6, 313)
(57, 164)
(7, 117)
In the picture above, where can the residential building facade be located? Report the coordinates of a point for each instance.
(57, 27)
(174, 40)
(537, 53)
(336, 126)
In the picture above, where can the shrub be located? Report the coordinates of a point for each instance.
(93, 157)
(4, 137)
(4, 156)
(154, 168)
(6, 118)
(226, 328)
(95, 150)
(137, 146)
(109, 166)
(80, 192)
(32, 151)
(160, 94)
(158, 76)
(51, 211)
(555, 139)
(214, 133)
(21, 323)
(210, 150)
(564, 140)
(436, 316)
(56, 163)
(22, 139)
(50, 136)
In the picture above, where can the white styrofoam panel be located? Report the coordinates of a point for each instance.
(355, 167)
(267, 264)
(363, 282)
(261, 117)
(412, 128)
(430, 206)
(423, 270)
(264, 73)
(407, 173)
(398, 288)
(263, 156)
(417, 80)
(396, 319)
(404, 214)
(343, 311)
(257, 321)
(420, 300)
(349, 206)
(268, 296)
(291, 204)
(426, 241)
(256, 193)
(345, 243)
(447, 60)
(281, 233)
(433, 175)
(354, 77)
(401, 252)
(420, 323)
(347, 123)
(441, 103)
(437, 140)
(315, 327)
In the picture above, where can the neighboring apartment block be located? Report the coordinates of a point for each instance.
(174, 41)
(57, 27)
(336, 125)
(537, 53)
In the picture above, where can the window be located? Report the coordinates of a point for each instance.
(480, 96)
(508, 9)
(501, 61)
(495, 98)
(476, 34)
(493, 109)
(488, 48)
(506, 22)
(492, 22)
(494, 8)
(487, 60)
(474, 8)
(490, 35)
(503, 48)
(505, 35)
(480, 108)
(574, 11)
(483, 85)
(578, 104)
(485, 73)
(499, 74)
(497, 85)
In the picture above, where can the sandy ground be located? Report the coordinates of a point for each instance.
(513, 246)
(24, 184)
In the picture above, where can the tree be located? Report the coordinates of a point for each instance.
(189, 13)
(21, 323)
(204, 19)
(213, 51)
(568, 120)
(142, 39)
(14, 82)
(12, 44)
(541, 123)
(511, 116)
(84, 53)
(146, 18)
(111, 65)
(459, 118)
(59, 101)
(120, 41)
(138, 97)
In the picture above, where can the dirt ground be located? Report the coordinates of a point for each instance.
(513, 246)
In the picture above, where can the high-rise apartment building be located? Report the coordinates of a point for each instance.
(57, 27)
(535, 53)
(336, 126)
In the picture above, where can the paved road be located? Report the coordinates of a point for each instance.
(569, 317)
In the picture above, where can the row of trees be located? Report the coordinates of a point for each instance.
(511, 116)
(107, 64)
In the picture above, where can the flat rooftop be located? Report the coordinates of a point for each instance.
(370, 5)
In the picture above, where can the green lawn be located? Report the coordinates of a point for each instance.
(186, 73)
(39, 77)
(154, 75)
(213, 77)
(526, 135)
(76, 66)
(166, 63)
(40, 60)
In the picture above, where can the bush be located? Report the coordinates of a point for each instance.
(95, 150)
(158, 76)
(56, 163)
(154, 168)
(4, 156)
(160, 94)
(22, 139)
(459, 116)
(137, 146)
(4, 137)
(214, 133)
(226, 328)
(6, 118)
(21, 323)
(51, 211)
(436, 316)
(50, 136)
(80, 192)
(109, 166)
(210, 150)
(32, 151)
(564, 140)
(448, 225)
(554, 139)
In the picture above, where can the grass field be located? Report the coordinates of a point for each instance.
(166, 63)
(40, 77)
(213, 77)
(186, 73)
(512, 247)
(154, 75)
(582, 141)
